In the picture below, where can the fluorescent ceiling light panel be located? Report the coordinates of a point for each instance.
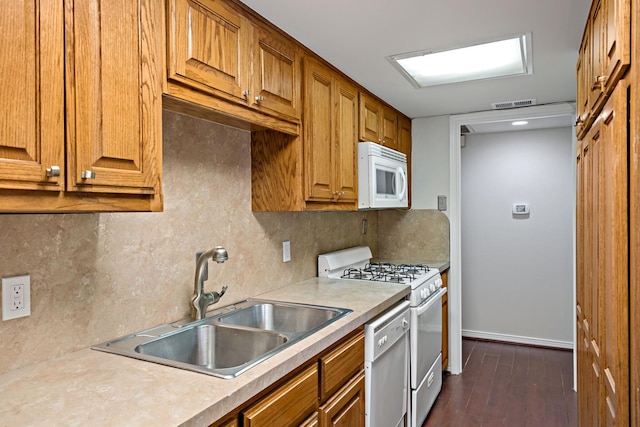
(501, 58)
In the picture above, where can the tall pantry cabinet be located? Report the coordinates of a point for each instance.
(608, 218)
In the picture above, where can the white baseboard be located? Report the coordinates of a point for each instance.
(542, 342)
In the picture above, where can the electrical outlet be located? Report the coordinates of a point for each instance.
(16, 297)
(286, 251)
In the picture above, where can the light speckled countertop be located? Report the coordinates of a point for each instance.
(92, 388)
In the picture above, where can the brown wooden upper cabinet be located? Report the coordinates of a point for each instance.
(32, 114)
(218, 49)
(404, 145)
(111, 53)
(604, 57)
(113, 96)
(378, 123)
(330, 140)
(318, 169)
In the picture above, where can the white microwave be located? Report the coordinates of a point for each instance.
(382, 177)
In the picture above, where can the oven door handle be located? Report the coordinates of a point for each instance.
(435, 298)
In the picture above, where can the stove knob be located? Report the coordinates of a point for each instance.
(423, 293)
(432, 287)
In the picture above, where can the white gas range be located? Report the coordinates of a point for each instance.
(425, 312)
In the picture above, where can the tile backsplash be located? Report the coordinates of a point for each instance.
(413, 234)
(98, 276)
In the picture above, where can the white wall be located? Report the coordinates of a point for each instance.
(430, 161)
(517, 273)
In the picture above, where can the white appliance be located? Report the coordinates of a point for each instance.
(425, 333)
(382, 177)
(386, 366)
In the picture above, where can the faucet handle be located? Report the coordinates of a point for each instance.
(224, 289)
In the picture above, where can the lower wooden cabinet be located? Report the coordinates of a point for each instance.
(329, 391)
(346, 408)
(445, 321)
(312, 421)
(288, 405)
(338, 366)
(232, 423)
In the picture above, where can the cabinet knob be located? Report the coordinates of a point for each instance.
(53, 171)
(88, 174)
(259, 98)
(246, 93)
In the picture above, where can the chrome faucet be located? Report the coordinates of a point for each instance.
(201, 299)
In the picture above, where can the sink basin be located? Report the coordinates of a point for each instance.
(231, 340)
(213, 346)
(282, 317)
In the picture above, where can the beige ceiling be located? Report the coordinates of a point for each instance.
(357, 35)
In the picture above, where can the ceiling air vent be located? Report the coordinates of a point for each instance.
(513, 104)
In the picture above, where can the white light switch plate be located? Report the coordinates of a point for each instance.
(286, 251)
(16, 297)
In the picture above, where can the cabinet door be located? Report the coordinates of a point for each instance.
(613, 255)
(580, 226)
(616, 41)
(445, 322)
(346, 146)
(596, 91)
(312, 421)
(586, 393)
(32, 111)
(342, 363)
(378, 123)
(595, 193)
(208, 47)
(276, 73)
(291, 404)
(389, 128)
(318, 131)
(583, 68)
(404, 136)
(346, 408)
(370, 119)
(114, 111)
(404, 146)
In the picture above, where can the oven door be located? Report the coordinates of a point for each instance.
(426, 336)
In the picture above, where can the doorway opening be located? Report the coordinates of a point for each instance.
(456, 123)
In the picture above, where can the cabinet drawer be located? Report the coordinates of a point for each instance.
(337, 367)
(347, 407)
(290, 404)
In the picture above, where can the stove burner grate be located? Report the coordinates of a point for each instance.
(356, 273)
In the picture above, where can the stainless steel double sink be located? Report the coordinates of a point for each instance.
(231, 340)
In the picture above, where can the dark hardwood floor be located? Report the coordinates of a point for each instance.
(507, 385)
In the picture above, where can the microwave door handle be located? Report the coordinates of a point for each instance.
(403, 191)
